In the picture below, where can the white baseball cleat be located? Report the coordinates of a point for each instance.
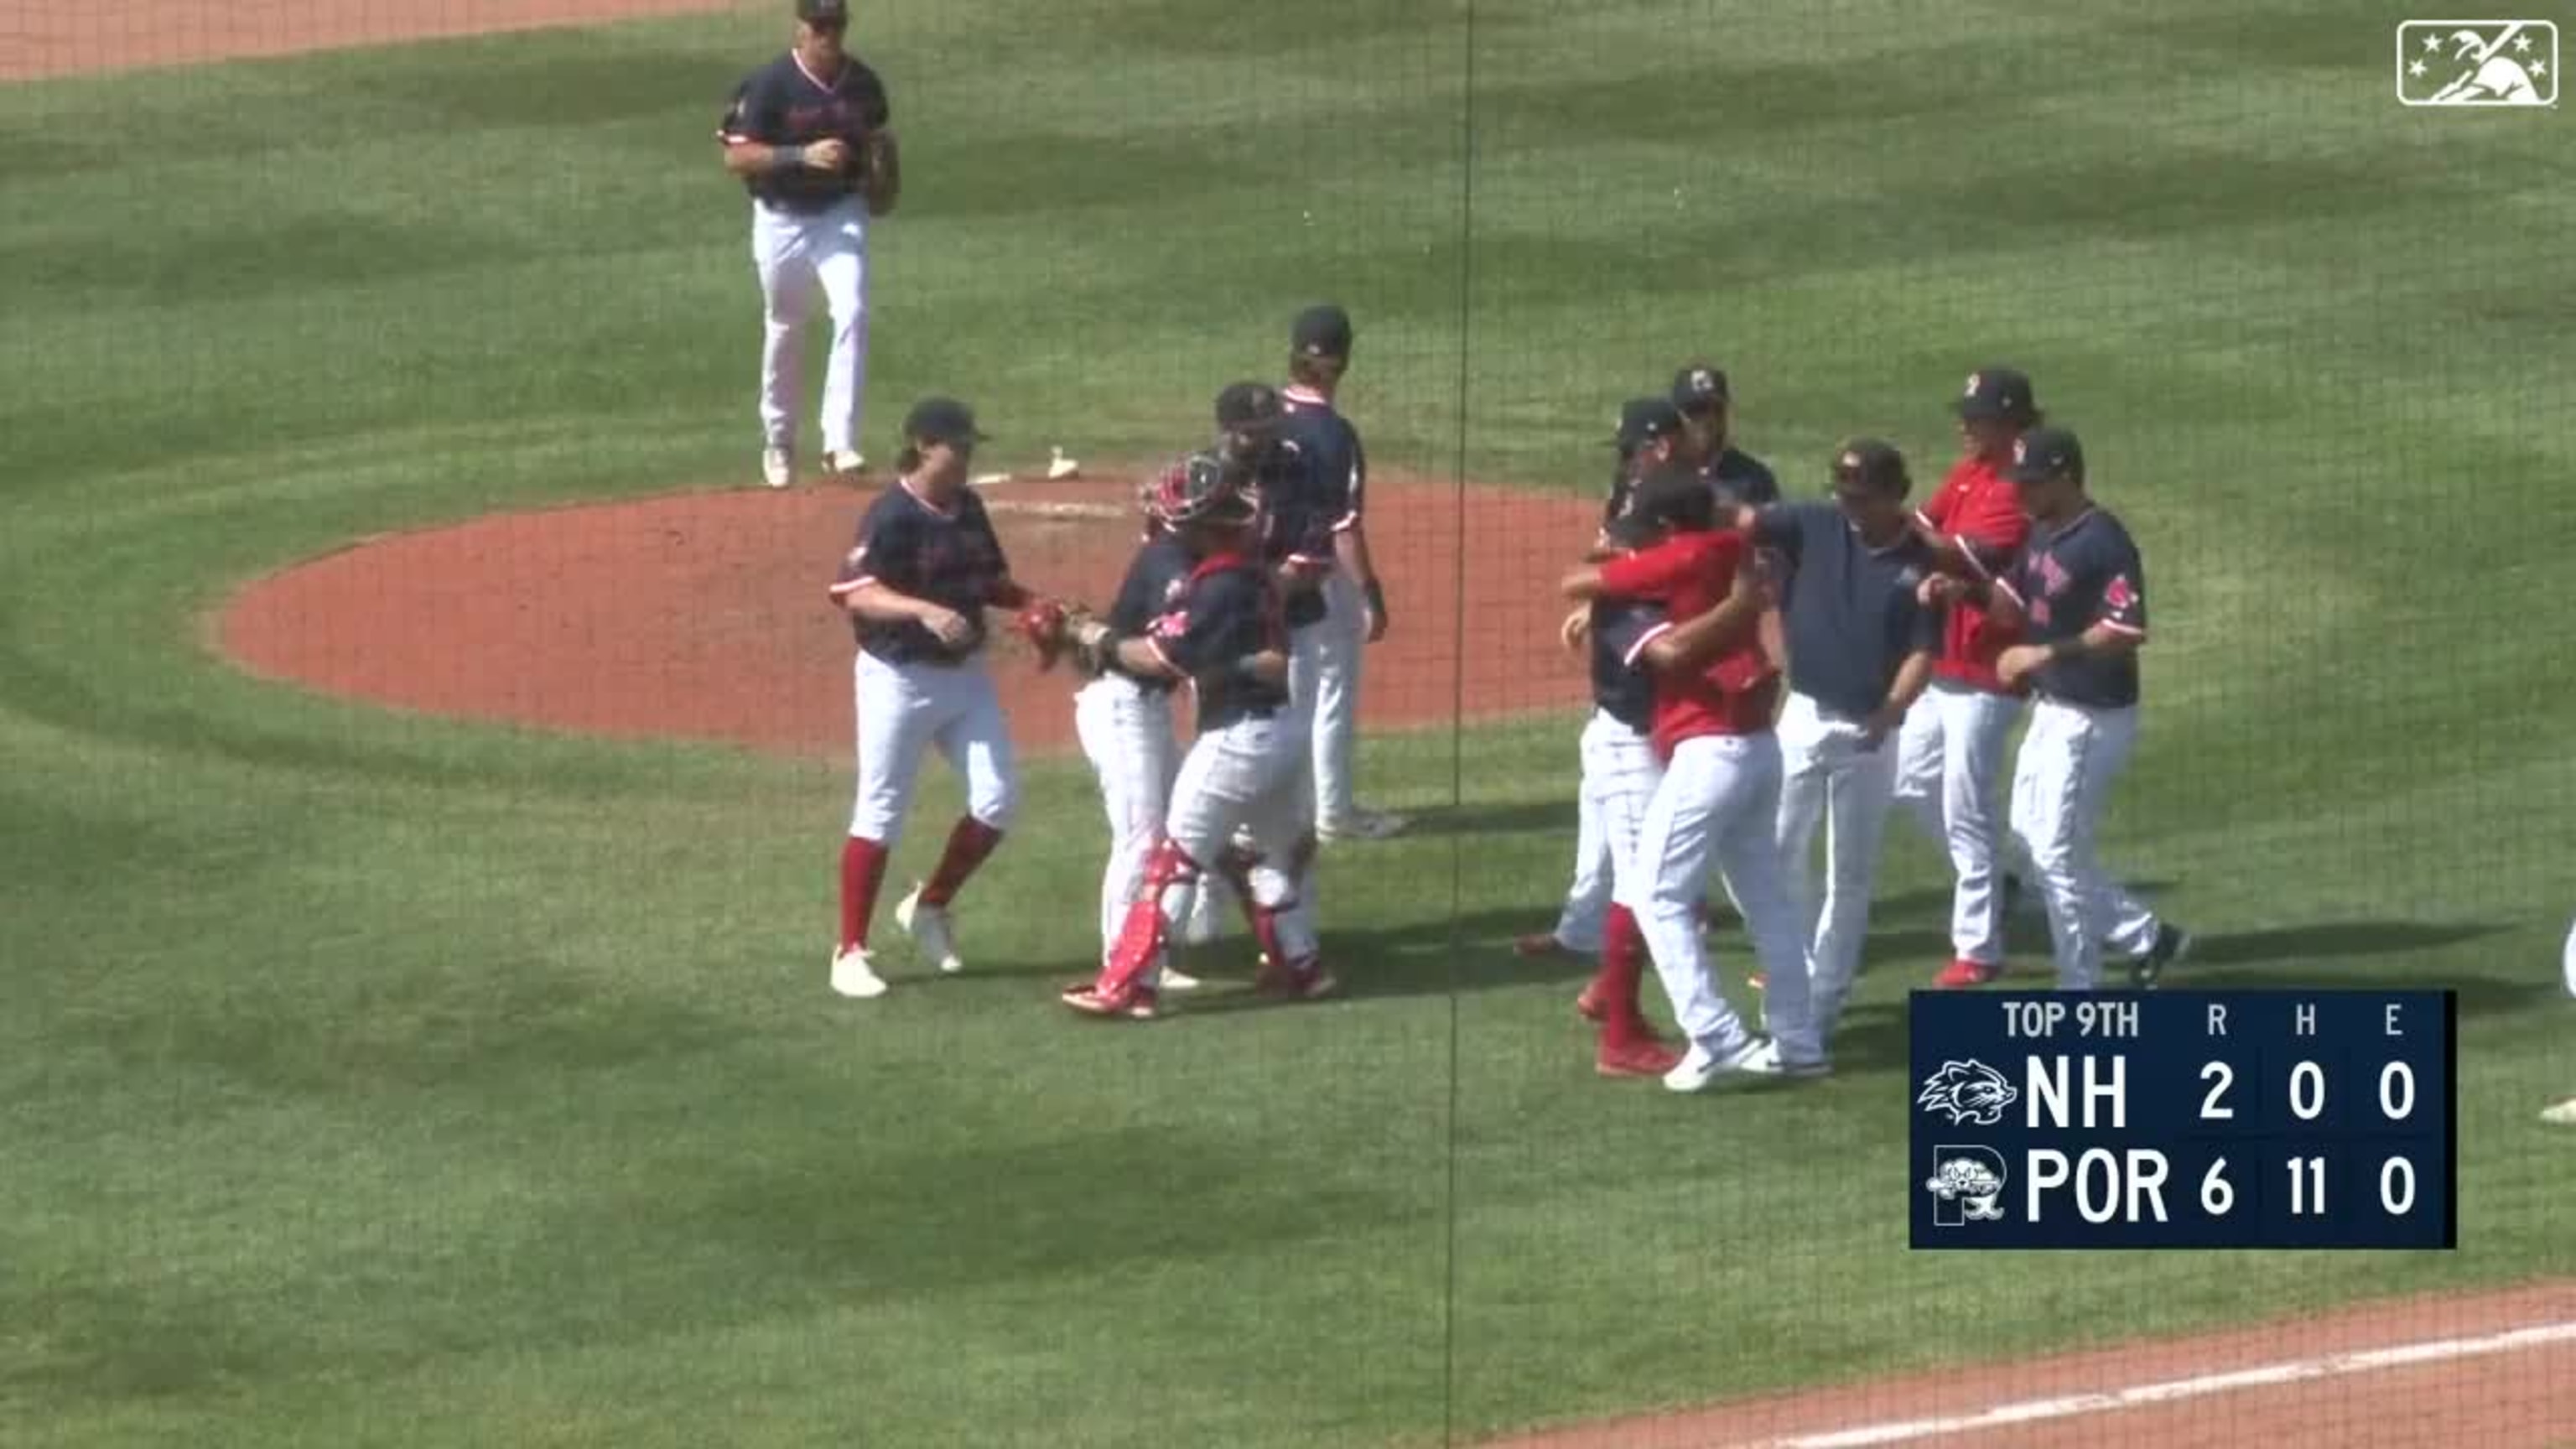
(2564, 1114)
(853, 975)
(1060, 467)
(1700, 1068)
(845, 461)
(1175, 979)
(929, 928)
(777, 467)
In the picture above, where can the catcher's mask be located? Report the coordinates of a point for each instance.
(1205, 489)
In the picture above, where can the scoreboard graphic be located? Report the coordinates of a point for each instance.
(2176, 1119)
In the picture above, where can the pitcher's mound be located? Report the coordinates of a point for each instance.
(704, 616)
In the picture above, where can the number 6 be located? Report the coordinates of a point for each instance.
(2217, 1197)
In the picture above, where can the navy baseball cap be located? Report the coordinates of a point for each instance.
(1323, 330)
(942, 420)
(1670, 495)
(2045, 453)
(1250, 407)
(1645, 419)
(1700, 388)
(823, 12)
(1874, 464)
(1997, 392)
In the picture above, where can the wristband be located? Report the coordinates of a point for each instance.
(786, 158)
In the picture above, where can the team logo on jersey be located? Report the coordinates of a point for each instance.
(2119, 596)
(1967, 1186)
(1969, 1091)
(2477, 63)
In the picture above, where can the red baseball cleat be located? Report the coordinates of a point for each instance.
(1639, 1057)
(1964, 973)
(1137, 1003)
(1305, 981)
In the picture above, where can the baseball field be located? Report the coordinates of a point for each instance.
(427, 744)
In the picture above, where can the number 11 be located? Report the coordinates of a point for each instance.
(2307, 1186)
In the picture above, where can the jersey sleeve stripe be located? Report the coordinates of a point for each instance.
(1165, 656)
(1347, 522)
(2116, 627)
(1637, 650)
(848, 587)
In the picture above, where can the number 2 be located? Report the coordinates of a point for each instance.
(2225, 1078)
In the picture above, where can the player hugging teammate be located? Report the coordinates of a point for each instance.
(1225, 635)
(2010, 579)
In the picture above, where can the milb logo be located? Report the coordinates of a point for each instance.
(2469, 63)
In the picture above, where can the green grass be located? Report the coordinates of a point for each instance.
(372, 1079)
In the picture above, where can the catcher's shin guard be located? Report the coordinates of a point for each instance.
(1236, 866)
(1146, 931)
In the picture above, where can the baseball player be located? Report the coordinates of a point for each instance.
(1861, 641)
(1123, 718)
(925, 568)
(2077, 595)
(807, 133)
(1706, 402)
(1295, 540)
(1246, 771)
(1719, 796)
(1319, 355)
(1629, 646)
(1650, 434)
(1952, 747)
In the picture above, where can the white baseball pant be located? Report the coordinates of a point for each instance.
(1247, 777)
(1331, 653)
(1832, 775)
(1308, 651)
(1126, 731)
(904, 707)
(794, 254)
(1620, 773)
(1720, 798)
(1949, 757)
(2069, 761)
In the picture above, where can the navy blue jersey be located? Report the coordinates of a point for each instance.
(1337, 462)
(1156, 579)
(2070, 578)
(1851, 613)
(952, 559)
(1622, 686)
(1739, 480)
(1297, 522)
(1228, 609)
(784, 104)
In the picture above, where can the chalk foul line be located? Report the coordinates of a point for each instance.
(2032, 1411)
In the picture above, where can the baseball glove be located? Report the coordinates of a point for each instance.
(1042, 623)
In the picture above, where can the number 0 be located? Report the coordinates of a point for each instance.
(2397, 1186)
(2309, 1103)
(2219, 1073)
(2397, 1091)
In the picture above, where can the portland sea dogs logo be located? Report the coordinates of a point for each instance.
(1967, 1185)
(1969, 1091)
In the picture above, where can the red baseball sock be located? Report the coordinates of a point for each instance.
(863, 868)
(968, 844)
(1623, 965)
